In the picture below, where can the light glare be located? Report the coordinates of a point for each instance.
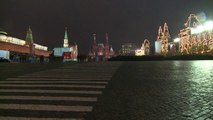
(208, 25)
(205, 27)
(177, 40)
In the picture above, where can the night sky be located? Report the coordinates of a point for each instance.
(124, 20)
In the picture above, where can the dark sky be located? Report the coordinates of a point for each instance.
(124, 20)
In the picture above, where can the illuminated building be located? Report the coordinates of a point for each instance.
(127, 49)
(196, 37)
(144, 50)
(69, 53)
(23, 50)
(100, 51)
(162, 44)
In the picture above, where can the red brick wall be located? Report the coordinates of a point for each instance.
(21, 49)
(41, 52)
(13, 47)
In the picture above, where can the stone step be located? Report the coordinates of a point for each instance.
(66, 93)
(52, 82)
(67, 76)
(71, 73)
(47, 107)
(53, 91)
(55, 86)
(50, 98)
(41, 114)
(31, 118)
(61, 79)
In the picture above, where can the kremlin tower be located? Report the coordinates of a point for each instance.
(29, 37)
(67, 52)
(29, 41)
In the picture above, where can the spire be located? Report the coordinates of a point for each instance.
(107, 38)
(165, 27)
(94, 46)
(66, 38)
(166, 30)
(29, 37)
(160, 33)
(65, 34)
(94, 38)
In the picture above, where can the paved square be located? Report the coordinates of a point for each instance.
(158, 90)
(148, 90)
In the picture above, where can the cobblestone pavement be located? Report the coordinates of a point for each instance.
(66, 93)
(158, 90)
(155, 90)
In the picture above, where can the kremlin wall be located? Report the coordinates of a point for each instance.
(18, 50)
(196, 38)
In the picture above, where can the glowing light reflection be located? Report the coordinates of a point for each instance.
(202, 71)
